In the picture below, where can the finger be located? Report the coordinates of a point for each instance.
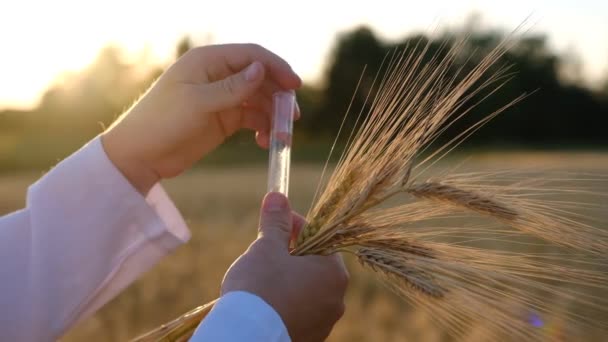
(233, 90)
(242, 55)
(298, 222)
(260, 102)
(268, 89)
(262, 138)
(276, 219)
(255, 120)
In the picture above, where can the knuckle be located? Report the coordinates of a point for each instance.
(255, 47)
(199, 51)
(229, 85)
(271, 246)
(264, 54)
(282, 223)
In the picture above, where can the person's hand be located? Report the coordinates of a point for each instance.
(202, 99)
(306, 291)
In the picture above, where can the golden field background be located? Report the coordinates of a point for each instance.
(221, 208)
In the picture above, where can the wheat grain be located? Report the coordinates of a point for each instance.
(463, 198)
(328, 206)
(380, 260)
(434, 266)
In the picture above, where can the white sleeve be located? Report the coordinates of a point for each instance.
(241, 316)
(84, 235)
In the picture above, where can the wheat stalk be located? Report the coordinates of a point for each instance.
(433, 265)
(401, 269)
(467, 199)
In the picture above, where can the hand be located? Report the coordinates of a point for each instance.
(202, 99)
(306, 291)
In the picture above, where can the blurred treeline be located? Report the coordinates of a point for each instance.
(561, 111)
(72, 111)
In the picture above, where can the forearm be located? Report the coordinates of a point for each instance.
(85, 235)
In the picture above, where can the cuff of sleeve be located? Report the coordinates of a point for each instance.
(87, 191)
(241, 316)
(167, 212)
(103, 180)
(108, 236)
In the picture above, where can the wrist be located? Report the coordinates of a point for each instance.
(135, 171)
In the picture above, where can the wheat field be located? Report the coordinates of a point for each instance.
(221, 208)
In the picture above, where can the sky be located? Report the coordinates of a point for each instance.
(42, 40)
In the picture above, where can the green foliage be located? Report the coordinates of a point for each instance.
(556, 114)
(183, 46)
(72, 111)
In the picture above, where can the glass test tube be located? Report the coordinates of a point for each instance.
(280, 141)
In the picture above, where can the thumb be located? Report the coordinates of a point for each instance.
(234, 89)
(275, 218)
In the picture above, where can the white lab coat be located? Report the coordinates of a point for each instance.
(84, 235)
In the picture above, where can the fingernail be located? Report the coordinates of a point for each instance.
(275, 202)
(253, 72)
